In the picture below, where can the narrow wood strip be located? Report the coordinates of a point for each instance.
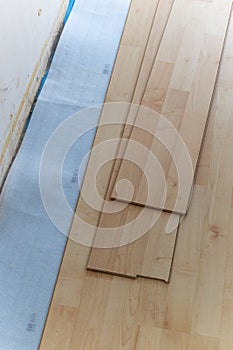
(180, 89)
(158, 28)
(151, 255)
(196, 297)
(129, 59)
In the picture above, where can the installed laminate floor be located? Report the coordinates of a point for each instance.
(92, 310)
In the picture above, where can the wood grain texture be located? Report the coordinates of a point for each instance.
(159, 24)
(134, 253)
(180, 90)
(139, 22)
(97, 311)
(156, 339)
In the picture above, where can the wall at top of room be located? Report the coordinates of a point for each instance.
(27, 33)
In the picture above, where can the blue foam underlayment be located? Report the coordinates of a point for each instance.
(31, 247)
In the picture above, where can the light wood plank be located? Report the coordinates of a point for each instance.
(216, 229)
(180, 89)
(151, 255)
(157, 339)
(181, 293)
(159, 25)
(132, 255)
(215, 265)
(139, 22)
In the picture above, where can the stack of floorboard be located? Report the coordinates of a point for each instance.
(92, 310)
(167, 64)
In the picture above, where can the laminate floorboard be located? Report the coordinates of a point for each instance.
(133, 254)
(172, 118)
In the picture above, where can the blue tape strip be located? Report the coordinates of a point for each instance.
(69, 9)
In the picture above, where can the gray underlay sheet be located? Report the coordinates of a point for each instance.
(31, 247)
